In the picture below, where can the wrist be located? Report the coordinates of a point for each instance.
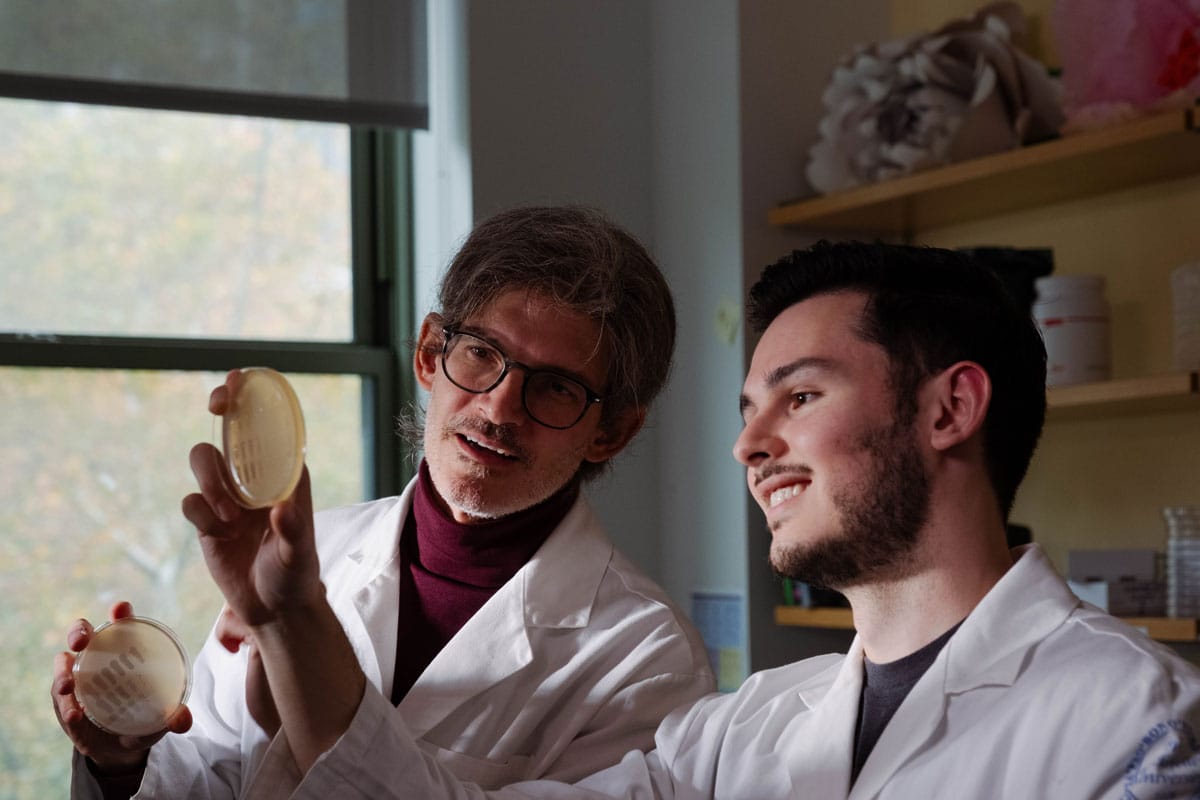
(298, 619)
(119, 767)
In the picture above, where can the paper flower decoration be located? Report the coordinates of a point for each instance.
(964, 90)
(1125, 58)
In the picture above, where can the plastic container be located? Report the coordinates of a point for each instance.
(262, 438)
(133, 675)
(1072, 314)
(1185, 300)
(1183, 560)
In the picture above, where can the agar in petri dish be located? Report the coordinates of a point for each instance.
(262, 434)
(132, 676)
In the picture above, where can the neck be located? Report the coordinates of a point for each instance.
(959, 559)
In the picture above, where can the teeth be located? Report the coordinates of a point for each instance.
(478, 443)
(786, 493)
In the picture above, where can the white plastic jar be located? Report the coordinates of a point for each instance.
(1072, 314)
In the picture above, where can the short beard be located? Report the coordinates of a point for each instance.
(881, 519)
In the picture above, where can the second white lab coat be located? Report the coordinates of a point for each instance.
(1037, 695)
(573, 662)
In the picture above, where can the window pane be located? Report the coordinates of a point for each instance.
(93, 465)
(151, 223)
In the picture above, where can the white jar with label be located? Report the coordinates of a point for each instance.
(1072, 314)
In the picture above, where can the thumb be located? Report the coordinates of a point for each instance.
(292, 518)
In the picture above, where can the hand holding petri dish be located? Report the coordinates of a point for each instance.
(262, 436)
(132, 677)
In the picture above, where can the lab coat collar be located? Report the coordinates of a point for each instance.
(377, 565)
(560, 582)
(1025, 606)
(555, 589)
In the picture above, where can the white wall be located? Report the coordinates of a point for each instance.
(560, 113)
(685, 120)
(698, 239)
(788, 51)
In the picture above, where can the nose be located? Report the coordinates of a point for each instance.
(757, 442)
(503, 404)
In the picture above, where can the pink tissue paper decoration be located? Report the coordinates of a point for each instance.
(1125, 58)
(964, 90)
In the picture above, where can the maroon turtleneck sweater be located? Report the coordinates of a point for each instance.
(449, 570)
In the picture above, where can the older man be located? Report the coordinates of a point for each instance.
(483, 612)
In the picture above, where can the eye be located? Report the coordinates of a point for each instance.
(481, 352)
(802, 398)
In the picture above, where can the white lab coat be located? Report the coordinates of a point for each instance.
(572, 663)
(1037, 695)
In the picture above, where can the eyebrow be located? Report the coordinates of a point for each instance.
(782, 373)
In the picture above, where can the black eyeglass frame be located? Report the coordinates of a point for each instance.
(590, 398)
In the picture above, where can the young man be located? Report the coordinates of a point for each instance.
(891, 409)
(483, 612)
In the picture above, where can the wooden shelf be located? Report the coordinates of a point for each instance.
(1152, 394)
(1156, 148)
(814, 617)
(1164, 629)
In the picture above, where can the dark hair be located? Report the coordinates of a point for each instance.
(929, 308)
(575, 256)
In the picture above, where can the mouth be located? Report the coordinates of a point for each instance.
(784, 493)
(488, 451)
(775, 486)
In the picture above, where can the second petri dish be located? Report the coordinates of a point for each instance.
(132, 676)
(262, 435)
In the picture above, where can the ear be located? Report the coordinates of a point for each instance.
(428, 350)
(612, 439)
(958, 402)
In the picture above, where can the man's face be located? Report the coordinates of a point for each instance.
(486, 456)
(840, 479)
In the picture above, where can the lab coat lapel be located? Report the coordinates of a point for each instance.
(989, 649)
(820, 762)
(372, 625)
(488, 648)
(555, 589)
(907, 732)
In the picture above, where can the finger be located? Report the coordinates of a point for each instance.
(79, 634)
(293, 516)
(292, 519)
(209, 469)
(219, 398)
(62, 692)
(180, 721)
(230, 631)
(197, 511)
(122, 609)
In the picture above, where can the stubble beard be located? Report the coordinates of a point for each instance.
(464, 486)
(880, 519)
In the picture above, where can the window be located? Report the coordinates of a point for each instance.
(142, 254)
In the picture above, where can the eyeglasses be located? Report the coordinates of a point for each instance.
(477, 366)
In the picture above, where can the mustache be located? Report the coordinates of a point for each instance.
(771, 470)
(504, 436)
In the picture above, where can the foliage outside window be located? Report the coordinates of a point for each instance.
(142, 253)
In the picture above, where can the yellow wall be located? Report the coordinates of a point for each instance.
(909, 16)
(1100, 482)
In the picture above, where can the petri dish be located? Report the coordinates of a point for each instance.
(132, 676)
(262, 437)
